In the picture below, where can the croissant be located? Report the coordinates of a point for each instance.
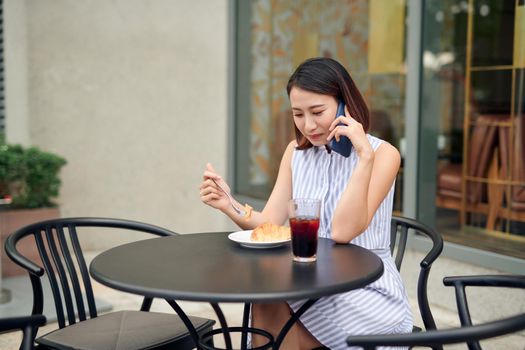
(269, 232)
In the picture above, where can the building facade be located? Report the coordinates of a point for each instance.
(444, 81)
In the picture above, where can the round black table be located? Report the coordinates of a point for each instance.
(209, 267)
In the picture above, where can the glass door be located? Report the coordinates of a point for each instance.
(473, 58)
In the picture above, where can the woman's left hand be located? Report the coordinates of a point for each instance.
(354, 131)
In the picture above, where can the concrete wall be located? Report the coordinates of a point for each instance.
(133, 93)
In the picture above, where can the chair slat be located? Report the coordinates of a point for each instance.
(66, 292)
(403, 235)
(52, 279)
(393, 236)
(88, 289)
(72, 273)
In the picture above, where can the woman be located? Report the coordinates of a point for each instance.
(357, 194)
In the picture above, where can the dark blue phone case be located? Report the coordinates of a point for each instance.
(343, 146)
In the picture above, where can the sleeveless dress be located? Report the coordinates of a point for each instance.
(381, 307)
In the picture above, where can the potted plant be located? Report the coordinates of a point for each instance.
(29, 179)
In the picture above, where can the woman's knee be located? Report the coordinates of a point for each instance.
(271, 311)
(271, 307)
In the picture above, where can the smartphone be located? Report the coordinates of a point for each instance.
(343, 146)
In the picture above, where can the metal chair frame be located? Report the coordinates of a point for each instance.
(467, 333)
(27, 324)
(401, 226)
(66, 268)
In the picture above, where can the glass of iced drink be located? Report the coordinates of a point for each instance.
(304, 223)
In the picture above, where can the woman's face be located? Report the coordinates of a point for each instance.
(313, 113)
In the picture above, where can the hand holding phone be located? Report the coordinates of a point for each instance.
(343, 146)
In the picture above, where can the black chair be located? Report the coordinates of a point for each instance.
(63, 262)
(400, 227)
(27, 324)
(468, 333)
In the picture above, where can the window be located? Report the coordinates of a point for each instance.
(473, 87)
(273, 37)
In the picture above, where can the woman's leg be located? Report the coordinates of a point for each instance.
(272, 318)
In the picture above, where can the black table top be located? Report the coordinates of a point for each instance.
(210, 267)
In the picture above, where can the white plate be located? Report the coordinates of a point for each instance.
(243, 238)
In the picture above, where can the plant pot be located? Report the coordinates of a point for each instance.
(10, 221)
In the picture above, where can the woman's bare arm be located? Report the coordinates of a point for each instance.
(369, 184)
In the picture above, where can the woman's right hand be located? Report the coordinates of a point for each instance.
(210, 192)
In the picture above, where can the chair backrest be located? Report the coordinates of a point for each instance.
(482, 142)
(514, 154)
(27, 324)
(400, 226)
(63, 262)
(467, 333)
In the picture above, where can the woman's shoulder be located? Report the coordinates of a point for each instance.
(290, 148)
(289, 151)
(385, 152)
(375, 142)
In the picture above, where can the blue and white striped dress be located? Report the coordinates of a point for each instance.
(381, 307)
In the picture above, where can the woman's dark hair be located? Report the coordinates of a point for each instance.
(326, 76)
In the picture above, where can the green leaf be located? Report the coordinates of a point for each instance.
(30, 176)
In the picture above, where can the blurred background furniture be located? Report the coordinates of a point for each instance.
(492, 182)
(454, 191)
(399, 233)
(467, 333)
(512, 171)
(27, 324)
(63, 262)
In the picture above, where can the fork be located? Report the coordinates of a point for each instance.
(237, 210)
